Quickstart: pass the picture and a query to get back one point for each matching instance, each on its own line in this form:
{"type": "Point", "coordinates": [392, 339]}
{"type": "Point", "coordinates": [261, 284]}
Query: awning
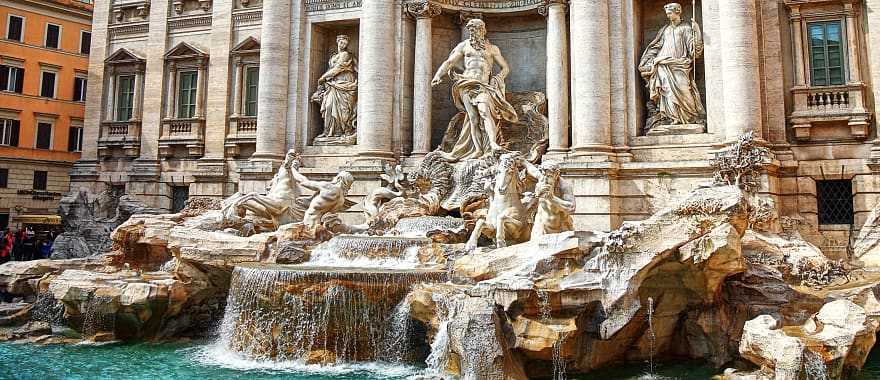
{"type": "Point", "coordinates": [36, 219]}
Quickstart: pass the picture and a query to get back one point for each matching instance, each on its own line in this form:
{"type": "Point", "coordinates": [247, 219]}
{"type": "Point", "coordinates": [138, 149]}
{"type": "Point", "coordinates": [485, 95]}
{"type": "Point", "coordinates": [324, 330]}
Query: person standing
{"type": "Point", "coordinates": [6, 246]}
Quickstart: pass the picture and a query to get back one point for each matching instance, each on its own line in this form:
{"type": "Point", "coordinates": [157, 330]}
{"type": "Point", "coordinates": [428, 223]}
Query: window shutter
{"type": "Point", "coordinates": [13, 141]}
{"type": "Point", "coordinates": [19, 81]}
{"type": "Point", "coordinates": [71, 139]}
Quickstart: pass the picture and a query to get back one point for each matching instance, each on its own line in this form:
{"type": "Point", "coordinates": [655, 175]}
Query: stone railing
{"type": "Point", "coordinates": [188, 132]}
{"type": "Point", "coordinates": [829, 105]}
{"type": "Point", "coordinates": [125, 135]}
{"type": "Point", "coordinates": [242, 131]}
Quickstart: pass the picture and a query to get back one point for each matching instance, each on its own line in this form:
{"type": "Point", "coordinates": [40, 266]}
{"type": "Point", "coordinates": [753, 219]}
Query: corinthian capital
{"type": "Point", "coordinates": [422, 9]}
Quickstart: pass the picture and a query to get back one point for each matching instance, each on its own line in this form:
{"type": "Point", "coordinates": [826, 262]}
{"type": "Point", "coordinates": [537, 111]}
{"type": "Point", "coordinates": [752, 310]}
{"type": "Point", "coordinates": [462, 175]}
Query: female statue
{"type": "Point", "coordinates": [337, 94]}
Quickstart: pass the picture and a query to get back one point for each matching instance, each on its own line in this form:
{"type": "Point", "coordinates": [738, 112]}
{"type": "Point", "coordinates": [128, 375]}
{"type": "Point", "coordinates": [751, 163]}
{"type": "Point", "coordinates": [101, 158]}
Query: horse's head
{"type": "Point", "coordinates": [507, 172]}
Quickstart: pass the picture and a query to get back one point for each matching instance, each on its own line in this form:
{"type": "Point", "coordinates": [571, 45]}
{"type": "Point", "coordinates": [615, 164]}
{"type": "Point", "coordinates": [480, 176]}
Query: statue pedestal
{"type": "Point", "coordinates": [336, 140]}
{"type": "Point", "coordinates": [677, 129]}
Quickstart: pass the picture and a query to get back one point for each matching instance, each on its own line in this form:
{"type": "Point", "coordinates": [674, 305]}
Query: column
{"type": "Point", "coordinates": [800, 78]}
{"type": "Point", "coordinates": [216, 95]}
{"type": "Point", "coordinates": [591, 58]}
{"type": "Point", "coordinates": [557, 75]}
{"type": "Point", "coordinates": [423, 72]}
{"type": "Point", "coordinates": [111, 98]}
{"type": "Point", "coordinates": [156, 47]}
{"type": "Point", "coordinates": [138, 94]}
{"type": "Point", "coordinates": [200, 90]}
{"type": "Point", "coordinates": [740, 70]}
{"type": "Point", "coordinates": [171, 92]}
{"type": "Point", "coordinates": [852, 40]}
{"type": "Point", "coordinates": [273, 91]}
{"type": "Point", "coordinates": [376, 78]}
{"type": "Point", "coordinates": [96, 91]}
{"type": "Point", "coordinates": [239, 76]}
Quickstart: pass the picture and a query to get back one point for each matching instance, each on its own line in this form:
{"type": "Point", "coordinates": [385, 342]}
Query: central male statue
{"type": "Point", "coordinates": [478, 94]}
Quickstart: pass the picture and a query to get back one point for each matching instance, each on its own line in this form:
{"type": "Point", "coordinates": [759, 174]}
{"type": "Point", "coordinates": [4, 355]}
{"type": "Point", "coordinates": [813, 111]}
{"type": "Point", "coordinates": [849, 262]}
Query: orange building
{"type": "Point", "coordinates": [44, 47]}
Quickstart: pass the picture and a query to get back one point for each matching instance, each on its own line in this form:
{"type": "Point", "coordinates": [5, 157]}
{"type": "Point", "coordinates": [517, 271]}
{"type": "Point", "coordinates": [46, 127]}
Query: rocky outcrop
{"type": "Point", "coordinates": [866, 248]}
{"type": "Point", "coordinates": [89, 219]}
{"type": "Point", "coordinates": [831, 344]}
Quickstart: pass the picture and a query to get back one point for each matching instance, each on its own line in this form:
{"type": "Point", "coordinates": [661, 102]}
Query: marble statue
{"type": "Point", "coordinates": [337, 95]}
{"type": "Point", "coordinates": [554, 197]}
{"type": "Point", "coordinates": [329, 196]}
{"type": "Point", "coordinates": [674, 104]}
{"type": "Point", "coordinates": [507, 217]}
{"type": "Point", "coordinates": [279, 205]}
{"type": "Point", "coordinates": [396, 186]}
{"type": "Point", "coordinates": [478, 94]}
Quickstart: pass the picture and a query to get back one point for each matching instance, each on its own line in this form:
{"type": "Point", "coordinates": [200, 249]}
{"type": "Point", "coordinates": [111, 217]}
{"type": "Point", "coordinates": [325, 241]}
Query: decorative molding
{"type": "Point", "coordinates": [543, 9]}
{"type": "Point", "coordinates": [249, 17]}
{"type": "Point", "coordinates": [189, 22]}
{"type": "Point", "coordinates": [327, 5]}
{"type": "Point", "coordinates": [491, 6]}
{"type": "Point", "coordinates": [422, 9]}
{"type": "Point", "coordinates": [118, 30]}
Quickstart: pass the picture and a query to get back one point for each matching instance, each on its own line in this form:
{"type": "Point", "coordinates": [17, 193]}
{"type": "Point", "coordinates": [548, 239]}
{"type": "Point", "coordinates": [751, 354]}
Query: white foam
{"type": "Point", "coordinates": [216, 355]}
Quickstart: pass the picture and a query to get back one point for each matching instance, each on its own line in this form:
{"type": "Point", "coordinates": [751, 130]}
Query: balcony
{"type": "Point", "coordinates": [830, 105]}
{"type": "Point", "coordinates": [120, 134]}
{"type": "Point", "coordinates": [242, 131]}
{"type": "Point", "coordinates": [188, 133]}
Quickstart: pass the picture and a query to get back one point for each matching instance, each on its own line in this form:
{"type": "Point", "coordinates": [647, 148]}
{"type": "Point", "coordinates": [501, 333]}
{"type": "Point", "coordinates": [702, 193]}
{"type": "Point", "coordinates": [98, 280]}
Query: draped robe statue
{"type": "Point", "coordinates": [478, 94]}
{"type": "Point", "coordinates": [337, 94]}
{"type": "Point", "coordinates": [667, 65]}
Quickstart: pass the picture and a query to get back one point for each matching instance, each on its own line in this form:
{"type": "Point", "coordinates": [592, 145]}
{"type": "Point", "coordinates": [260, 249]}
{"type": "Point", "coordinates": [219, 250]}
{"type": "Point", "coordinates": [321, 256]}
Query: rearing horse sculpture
{"type": "Point", "coordinates": [507, 218]}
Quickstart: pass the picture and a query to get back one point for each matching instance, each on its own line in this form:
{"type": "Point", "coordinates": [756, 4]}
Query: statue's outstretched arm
{"type": "Point", "coordinates": [304, 181]}
{"type": "Point", "coordinates": [444, 68]}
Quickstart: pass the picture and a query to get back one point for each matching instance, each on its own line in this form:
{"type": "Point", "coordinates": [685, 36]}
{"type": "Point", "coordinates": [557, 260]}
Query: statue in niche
{"type": "Point", "coordinates": [674, 104]}
{"type": "Point", "coordinates": [337, 95]}
{"type": "Point", "coordinates": [478, 94]}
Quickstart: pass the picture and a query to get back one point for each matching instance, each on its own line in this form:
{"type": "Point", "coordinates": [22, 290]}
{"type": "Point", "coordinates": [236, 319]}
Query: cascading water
{"type": "Point", "coordinates": [95, 316]}
{"type": "Point", "coordinates": [351, 251]}
{"type": "Point", "coordinates": [652, 339]}
{"type": "Point", "coordinates": [320, 315]}
{"type": "Point", "coordinates": [545, 314]}
{"type": "Point", "coordinates": [421, 225]}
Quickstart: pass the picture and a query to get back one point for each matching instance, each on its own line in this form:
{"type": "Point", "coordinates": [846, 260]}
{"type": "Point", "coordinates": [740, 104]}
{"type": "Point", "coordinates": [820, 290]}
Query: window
{"type": "Point", "coordinates": [835, 201]}
{"type": "Point", "coordinates": [44, 136]}
{"type": "Point", "coordinates": [124, 97]}
{"type": "Point", "coordinates": [4, 178]}
{"type": "Point", "coordinates": [826, 53]}
{"type": "Point", "coordinates": [40, 179]}
{"type": "Point", "coordinates": [11, 78]}
{"type": "Point", "coordinates": [4, 221]}
{"type": "Point", "coordinates": [186, 103]}
{"type": "Point", "coordinates": [47, 86]}
{"type": "Point", "coordinates": [14, 27]}
{"type": "Point", "coordinates": [250, 95]}
{"type": "Point", "coordinates": [53, 35]}
{"type": "Point", "coordinates": [79, 89]}
{"type": "Point", "coordinates": [179, 195]}
{"type": "Point", "coordinates": [85, 42]}
{"type": "Point", "coordinates": [9, 132]}
{"type": "Point", "coordinates": [75, 139]}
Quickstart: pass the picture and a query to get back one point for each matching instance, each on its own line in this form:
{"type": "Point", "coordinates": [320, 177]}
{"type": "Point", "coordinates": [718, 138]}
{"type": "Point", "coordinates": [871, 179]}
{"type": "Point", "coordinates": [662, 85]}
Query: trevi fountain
{"type": "Point", "coordinates": [468, 262]}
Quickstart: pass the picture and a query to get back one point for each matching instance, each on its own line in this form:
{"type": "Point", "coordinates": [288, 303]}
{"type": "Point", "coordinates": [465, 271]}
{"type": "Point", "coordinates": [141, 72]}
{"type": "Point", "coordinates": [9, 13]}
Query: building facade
{"type": "Point", "coordinates": [204, 97]}
{"type": "Point", "coordinates": [44, 62]}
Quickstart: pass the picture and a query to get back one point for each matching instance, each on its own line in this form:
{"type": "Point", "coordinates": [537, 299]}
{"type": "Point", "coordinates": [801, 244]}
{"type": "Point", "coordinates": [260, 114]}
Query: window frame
{"type": "Point", "coordinates": [117, 93]}
{"type": "Point", "coordinates": [5, 123]}
{"type": "Point", "coordinates": [8, 24]}
{"type": "Point", "coordinates": [51, 125]}
{"type": "Point", "coordinates": [10, 68]}
{"type": "Point", "coordinates": [43, 73]}
{"type": "Point", "coordinates": [89, 45]}
{"type": "Point", "coordinates": [46, 36]}
{"type": "Point", "coordinates": [45, 180]}
{"type": "Point", "coordinates": [80, 134]}
{"type": "Point", "coordinates": [82, 88]}
{"type": "Point", "coordinates": [192, 92]}
{"type": "Point", "coordinates": [4, 178]}
{"type": "Point", "coordinates": [247, 86]}
{"type": "Point", "coordinates": [808, 49]}
{"type": "Point", "coordinates": [823, 205]}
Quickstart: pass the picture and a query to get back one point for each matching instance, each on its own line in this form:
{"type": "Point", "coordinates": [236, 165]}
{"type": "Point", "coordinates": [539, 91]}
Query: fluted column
{"type": "Point", "coordinates": [272, 104]}
{"type": "Point", "coordinates": [591, 58]}
{"type": "Point", "coordinates": [557, 75]}
{"type": "Point", "coordinates": [740, 60]}
{"type": "Point", "coordinates": [376, 78]}
{"type": "Point", "coordinates": [423, 12]}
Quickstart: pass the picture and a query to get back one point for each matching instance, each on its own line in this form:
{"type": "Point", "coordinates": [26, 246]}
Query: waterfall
{"type": "Point", "coordinates": [351, 251]}
{"type": "Point", "coordinates": [652, 339]}
{"type": "Point", "coordinates": [419, 226]}
{"type": "Point", "coordinates": [313, 315]}
{"type": "Point", "coordinates": [558, 362]}
{"type": "Point", "coordinates": [95, 317]}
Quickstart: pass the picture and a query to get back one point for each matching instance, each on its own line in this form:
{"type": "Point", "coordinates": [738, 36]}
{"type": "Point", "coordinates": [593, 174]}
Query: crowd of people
{"type": "Point", "coordinates": [25, 244]}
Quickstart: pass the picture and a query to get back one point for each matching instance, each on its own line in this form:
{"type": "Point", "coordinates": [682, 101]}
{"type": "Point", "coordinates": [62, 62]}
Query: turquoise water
{"type": "Point", "coordinates": [205, 361]}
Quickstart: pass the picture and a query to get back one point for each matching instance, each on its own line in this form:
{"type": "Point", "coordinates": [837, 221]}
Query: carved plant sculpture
{"type": "Point", "coordinates": [741, 163]}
